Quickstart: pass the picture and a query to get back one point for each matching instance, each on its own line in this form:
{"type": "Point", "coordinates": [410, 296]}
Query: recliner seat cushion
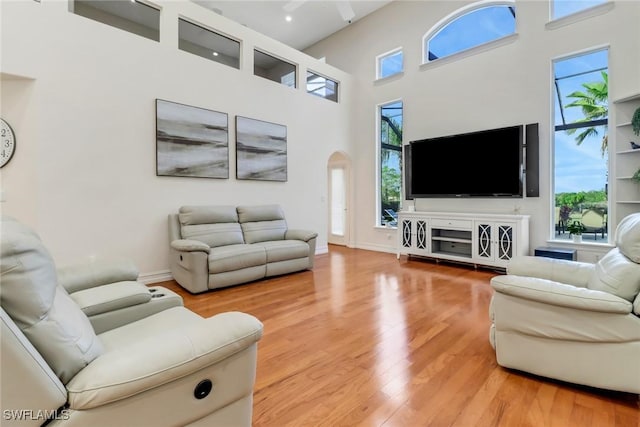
{"type": "Point", "coordinates": [262, 223]}
{"type": "Point", "coordinates": [236, 257]}
{"type": "Point", "coordinates": [40, 307]}
{"type": "Point", "coordinates": [617, 275]}
{"type": "Point", "coordinates": [212, 225]}
{"type": "Point", "coordinates": [284, 250]}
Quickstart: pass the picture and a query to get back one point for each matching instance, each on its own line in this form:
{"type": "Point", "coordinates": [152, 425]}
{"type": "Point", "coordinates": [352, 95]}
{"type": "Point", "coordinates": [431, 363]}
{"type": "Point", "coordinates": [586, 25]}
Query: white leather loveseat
{"type": "Point", "coordinates": [573, 321]}
{"type": "Point", "coordinates": [217, 246]}
{"type": "Point", "coordinates": [170, 368]}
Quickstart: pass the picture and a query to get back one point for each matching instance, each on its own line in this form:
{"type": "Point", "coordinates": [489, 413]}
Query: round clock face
{"type": "Point", "coordinates": [7, 143]}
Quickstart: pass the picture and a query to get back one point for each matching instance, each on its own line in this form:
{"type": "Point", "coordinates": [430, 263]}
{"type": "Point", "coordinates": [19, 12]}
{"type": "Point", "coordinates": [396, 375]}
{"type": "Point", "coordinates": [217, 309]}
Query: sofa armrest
{"type": "Point", "coordinates": [558, 270]}
{"type": "Point", "coordinates": [185, 245]}
{"type": "Point", "coordinates": [91, 274]}
{"type": "Point", "coordinates": [304, 235]}
{"type": "Point", "coordinates": [161, 359]}
{"type": "Point", "coordinates": [560, 294]}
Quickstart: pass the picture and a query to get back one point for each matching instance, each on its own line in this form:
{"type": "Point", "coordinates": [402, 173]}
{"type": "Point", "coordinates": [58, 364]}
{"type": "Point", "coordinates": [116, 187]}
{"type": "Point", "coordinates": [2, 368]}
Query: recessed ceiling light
{"type": "Point", "coordinates": [215, 53]}
{"type": "Point", "coordinates": [288, 18]}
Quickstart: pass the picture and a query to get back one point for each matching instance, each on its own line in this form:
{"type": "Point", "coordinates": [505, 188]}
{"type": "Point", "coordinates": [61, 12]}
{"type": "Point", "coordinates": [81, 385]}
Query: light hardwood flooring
{"type": "Point", "coordinates": [368, 340]}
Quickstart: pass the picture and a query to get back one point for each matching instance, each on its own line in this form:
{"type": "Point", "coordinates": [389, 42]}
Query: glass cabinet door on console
{"type": "Point", "coordinates": [414, 234]}
{"type": "Point", "coordinates": [494, 241]}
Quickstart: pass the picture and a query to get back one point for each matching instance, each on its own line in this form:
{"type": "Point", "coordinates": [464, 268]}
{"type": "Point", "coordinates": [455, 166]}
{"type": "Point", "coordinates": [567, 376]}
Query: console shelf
{"type": "Point", "coordinates": [479, 239]}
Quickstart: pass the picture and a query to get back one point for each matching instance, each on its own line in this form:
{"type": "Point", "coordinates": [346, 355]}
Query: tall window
{"type": "Point", "coordinates": [390, 184]}
{"type": "Point", "coordinates": [561, 8]}
{"type": "Point", "coordinates": [468, 27]}
{"type": "Point", "coordinates": [581, 93]}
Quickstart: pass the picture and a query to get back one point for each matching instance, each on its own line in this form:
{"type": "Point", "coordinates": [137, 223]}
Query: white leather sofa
{"type": "Point", "coordinates": [169, 368]}
{"type": "Point", "coordinates": [573, 321]}
{"type": "Point", "coordinates": [217, 246]}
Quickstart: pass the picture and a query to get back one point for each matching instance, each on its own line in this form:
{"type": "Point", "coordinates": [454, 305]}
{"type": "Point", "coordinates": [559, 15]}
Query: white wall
{"type": "Point", "coordinates": [83, 108]}
{"type": "Point", "coordinates": [505, 86]}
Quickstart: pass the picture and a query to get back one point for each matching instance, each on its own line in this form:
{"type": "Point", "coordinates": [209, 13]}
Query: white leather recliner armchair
{"type": "Point", "coordinates": [171, 368]}
{"type": "Point", "coordinates": [573, 321]}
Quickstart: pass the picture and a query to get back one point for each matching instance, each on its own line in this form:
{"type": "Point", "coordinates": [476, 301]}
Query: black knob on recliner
{"type": "Point", "coordinates": [203, 389]}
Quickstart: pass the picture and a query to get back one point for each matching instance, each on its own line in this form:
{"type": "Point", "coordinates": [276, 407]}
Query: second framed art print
{"type": "Point", "coordinates": [191, 141]}
{"type": "Point", "coordinates": [261, 150]}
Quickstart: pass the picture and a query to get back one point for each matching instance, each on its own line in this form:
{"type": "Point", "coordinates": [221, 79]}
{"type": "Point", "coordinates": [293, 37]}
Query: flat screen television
{"type": "Point", "coordinates": [487, 163]}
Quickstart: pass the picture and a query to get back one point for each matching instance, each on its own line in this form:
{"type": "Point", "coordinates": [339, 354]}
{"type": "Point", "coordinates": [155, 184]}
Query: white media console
{"type": "Point", "coordinates": [478, 239]}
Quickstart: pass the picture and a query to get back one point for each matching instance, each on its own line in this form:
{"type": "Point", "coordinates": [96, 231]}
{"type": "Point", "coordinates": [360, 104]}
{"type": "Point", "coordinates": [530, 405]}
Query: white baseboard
{"type": "Point", "coordinates": [155, 277]}
{"type": "Point", "coordinates": [377, 248]}
{"type": "Point", "coordinates": [322, 249]}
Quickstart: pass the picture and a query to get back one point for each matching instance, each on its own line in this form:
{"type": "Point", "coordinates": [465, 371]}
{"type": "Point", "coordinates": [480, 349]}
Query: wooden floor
{"type": "Point", "coordinates": [367, 340]}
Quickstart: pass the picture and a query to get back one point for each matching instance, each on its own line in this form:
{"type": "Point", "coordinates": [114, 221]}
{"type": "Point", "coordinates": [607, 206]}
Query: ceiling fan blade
{"type": "Point", "coordinates": [346, 11]}
{"type": "Point", "coordinates": [293, 5]}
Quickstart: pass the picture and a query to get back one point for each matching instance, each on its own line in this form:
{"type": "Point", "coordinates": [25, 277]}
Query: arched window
{"type": "Point", "coordinates": [468, 27]}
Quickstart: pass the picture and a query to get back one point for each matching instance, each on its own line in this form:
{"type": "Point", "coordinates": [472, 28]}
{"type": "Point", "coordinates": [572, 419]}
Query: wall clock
{"type": "Point", "coordinates": [7, 141]}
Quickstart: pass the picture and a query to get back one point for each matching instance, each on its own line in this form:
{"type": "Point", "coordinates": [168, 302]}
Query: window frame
{"type": "Point", "coordinates": [379, 147]}
{"type": "Point", "coordinates": [278, 58]}
{"type": "Point", "coordinates": [215, 32]}
{"type": "Point", "coordinates": [442, 23]}
{"type": "Point", "coordinates": [313, 92]}
{"type": "Point", "coordinates": [115, 19]}
{"type": "Point", "coordinates": [585, 10]}
{"type": "Point", "coordinates": [385, 55]}
{"type": "Point", "coordinates": [559, 128]}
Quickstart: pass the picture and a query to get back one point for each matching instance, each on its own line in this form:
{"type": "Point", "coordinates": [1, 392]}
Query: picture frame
{"type": "Point", "coordinates": [191, 141]}
{"type": "Point", "coordinates": [261, 150]}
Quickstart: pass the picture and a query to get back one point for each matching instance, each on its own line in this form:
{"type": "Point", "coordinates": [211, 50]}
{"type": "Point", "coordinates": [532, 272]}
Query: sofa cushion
{"type": "Point", "coordinates": [193, 215]}
{"type": "Point", "coordinates": [214, 235]}
{"type": "Point", "coordinates": [284, 250]}
{"type": "Point", "coordinates": [213, 225]}
{"type": "Point", "coordinates": [617, 275]}
{"type": "Point", "coordinates": [236, 257]}
{"type": "Point", "coordinates": [40, 307]}
{"type": "Point", "coordinates": [262, 223]}
{"type": "Point", "coordinates": [628, 237]}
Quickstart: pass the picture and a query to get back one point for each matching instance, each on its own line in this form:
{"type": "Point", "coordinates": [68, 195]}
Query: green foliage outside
{"type": "Point", "coordinates": [390, 174]}
{"type": "Point", "coordinates": [577, 202]}
{"type": "Point", "coordinates": [390, 185]}
{"type": "Point", "coordinates": [593, 102]}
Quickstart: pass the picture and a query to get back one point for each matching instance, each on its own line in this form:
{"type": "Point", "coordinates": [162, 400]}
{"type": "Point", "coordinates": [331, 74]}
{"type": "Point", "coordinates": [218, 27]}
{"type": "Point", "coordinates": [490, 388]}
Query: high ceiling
{"type": "Point", "coordinates": [311, 20]}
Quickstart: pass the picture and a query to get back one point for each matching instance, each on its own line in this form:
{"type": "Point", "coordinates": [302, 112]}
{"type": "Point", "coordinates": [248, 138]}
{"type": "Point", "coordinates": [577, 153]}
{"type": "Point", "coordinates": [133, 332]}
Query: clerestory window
{"type": "Point", "coordinates": [468, 27]}
{"type": "Point", "coordinates": [389, 63]}
{"type": "Point", "coordinates": [562, 8]}
{"type": "Point", "coordinates": [135, 16]}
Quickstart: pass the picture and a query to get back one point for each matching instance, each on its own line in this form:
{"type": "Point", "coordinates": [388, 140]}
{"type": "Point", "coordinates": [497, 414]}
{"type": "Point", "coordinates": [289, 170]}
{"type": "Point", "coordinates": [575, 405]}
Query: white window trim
{"type": "Point", "coordinates": [296, 66]}
{"type": "Point", "coordinates": [552, 150]}
{"type": "Point", "coordinates": [336, 81]}
{"type": "Point", "coordinates": [379, 161]}
{"type": "Point", "coordinates": [581, 15]}
{"type": "Point", "coordinates": [379, 59]}
{"type": "Point", "coordinates": [458, 13]}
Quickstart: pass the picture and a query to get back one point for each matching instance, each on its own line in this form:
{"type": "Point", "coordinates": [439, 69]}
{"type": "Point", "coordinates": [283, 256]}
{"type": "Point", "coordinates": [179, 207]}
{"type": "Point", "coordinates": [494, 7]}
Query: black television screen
{"type": "Point", "coordinates": [478, 164]}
